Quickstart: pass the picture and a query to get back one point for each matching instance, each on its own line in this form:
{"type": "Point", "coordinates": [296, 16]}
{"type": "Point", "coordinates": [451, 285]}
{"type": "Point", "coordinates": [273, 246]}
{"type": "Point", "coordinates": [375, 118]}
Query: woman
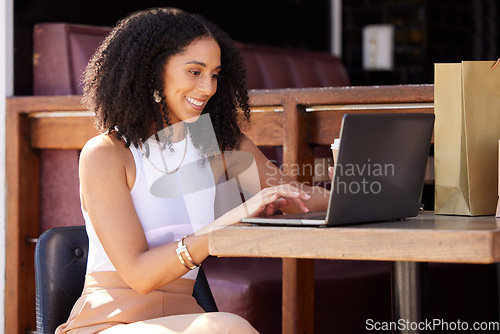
{"type": "Point", "coordinates": [150, 82]}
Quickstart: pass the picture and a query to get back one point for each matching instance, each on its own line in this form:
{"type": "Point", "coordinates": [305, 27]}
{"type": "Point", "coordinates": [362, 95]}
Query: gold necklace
{"type": "Point", "coordinates": [163, 159]}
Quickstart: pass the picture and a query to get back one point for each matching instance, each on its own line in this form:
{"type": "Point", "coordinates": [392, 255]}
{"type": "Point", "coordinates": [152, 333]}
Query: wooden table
{"type": "Point", "coordinates": [410, 244]}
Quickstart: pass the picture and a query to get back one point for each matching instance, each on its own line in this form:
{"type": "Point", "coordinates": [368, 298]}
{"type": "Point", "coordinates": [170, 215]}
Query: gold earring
{"type": "Point", "coordinates": [156, 96]}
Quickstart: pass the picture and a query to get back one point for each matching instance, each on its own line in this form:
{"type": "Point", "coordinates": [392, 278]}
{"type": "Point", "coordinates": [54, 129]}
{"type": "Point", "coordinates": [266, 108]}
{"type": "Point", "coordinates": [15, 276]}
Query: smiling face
{"type": "Point", "coordinates": [190, 79]}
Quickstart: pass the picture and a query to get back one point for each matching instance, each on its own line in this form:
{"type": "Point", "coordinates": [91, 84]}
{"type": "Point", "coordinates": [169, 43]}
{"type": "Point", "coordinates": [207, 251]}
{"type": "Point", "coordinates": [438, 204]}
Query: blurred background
{"type": "Point", "coordinates": [379, 41]}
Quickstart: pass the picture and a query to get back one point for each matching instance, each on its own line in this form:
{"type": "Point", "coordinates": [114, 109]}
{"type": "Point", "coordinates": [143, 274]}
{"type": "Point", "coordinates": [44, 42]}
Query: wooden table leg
{"type": "Point", "coordinates": [298, 296]}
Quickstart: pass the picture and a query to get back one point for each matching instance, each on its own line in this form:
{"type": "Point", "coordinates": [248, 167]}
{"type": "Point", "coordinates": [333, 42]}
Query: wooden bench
{"type": "Point", "coordinates": [297, 119]}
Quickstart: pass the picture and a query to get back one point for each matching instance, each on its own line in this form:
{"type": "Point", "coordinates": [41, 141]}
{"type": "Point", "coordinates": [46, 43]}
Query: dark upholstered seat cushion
{"type": "Point", "coordinates": [251, 288]}
{"type": "Point", "coordinates": [68, 47]}
{"type": "Point", "coordinates": [274, 68]}
{"type": "Point", "coordinates": [60, 265]}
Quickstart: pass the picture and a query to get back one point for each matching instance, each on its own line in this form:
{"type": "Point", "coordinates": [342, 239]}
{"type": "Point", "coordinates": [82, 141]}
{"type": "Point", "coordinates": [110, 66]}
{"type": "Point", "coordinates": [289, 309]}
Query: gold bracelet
{"type": "Point", "coordinates": [181, 248]}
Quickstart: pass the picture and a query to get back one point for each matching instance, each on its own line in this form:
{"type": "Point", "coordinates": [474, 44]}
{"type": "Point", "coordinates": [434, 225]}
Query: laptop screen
{"type": "Point", "coordinates": [380, 167]}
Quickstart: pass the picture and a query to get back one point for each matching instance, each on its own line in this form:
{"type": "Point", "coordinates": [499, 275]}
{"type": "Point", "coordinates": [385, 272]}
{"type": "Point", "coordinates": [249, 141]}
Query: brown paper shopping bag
{"type": "Point", "coordinates": [498, 205]}
{"type": "Point", "coordinates": [466, 133]}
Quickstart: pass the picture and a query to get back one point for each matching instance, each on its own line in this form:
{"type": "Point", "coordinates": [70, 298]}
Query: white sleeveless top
{"type": "Point", "coordinates": [169, 206]}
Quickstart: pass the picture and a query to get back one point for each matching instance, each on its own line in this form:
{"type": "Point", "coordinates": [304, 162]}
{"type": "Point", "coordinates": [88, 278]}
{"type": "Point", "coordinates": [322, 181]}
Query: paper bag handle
{"type": "Point", "coordinates": [495, 64]}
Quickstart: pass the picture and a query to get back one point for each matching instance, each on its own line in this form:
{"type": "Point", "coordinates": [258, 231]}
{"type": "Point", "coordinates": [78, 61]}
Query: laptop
{"type": "Point", "coordinates": [379, 175]}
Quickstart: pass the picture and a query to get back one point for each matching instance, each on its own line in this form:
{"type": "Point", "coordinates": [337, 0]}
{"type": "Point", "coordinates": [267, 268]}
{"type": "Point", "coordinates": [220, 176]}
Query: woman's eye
{"type": "Point", "coordinates": [195, 73]}
{"type": "Point", "coordinates": [215, 76]}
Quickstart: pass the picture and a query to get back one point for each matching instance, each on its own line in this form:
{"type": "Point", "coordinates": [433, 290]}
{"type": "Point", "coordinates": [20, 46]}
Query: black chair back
{"type": "Point", "coordinates": [60, 264]}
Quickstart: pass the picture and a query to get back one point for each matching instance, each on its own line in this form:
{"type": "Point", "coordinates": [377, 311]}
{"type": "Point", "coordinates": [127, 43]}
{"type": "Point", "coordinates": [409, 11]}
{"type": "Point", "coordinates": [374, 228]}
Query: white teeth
{"type": "Point", "coordinates": [195, 102]}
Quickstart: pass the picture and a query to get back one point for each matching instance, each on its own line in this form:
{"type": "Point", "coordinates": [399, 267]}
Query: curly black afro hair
{"type": "Point", "coordinates": [128, 67]}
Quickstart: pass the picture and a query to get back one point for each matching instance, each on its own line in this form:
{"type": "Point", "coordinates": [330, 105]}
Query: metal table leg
{"type": "Point", "coordinates": [409, 294]}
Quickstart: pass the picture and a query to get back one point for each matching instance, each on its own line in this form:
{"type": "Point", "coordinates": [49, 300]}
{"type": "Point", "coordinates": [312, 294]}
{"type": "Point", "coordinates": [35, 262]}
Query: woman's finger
{"type": "Point", "coordinates": [330, 172]}
{"type": "Point", "coordinates": [300, 204]}
{"type": "Point", "coordinates": [274, 206]}
{"type": "Point", "coordinates": [289, 192]}
{"type": "Point", "coordinates": [267, 201]}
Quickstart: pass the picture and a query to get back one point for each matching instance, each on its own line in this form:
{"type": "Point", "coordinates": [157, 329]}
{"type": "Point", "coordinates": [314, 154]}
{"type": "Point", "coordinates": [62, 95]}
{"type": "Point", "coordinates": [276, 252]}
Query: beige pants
{"type": "Point", "coordinates": [108, 305]}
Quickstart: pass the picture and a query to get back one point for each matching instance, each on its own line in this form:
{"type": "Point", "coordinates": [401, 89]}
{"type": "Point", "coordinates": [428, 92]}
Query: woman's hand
{"type": "Point", "coordinates": [264, 203]}
{"type": "Point", "coordinates": [269, 200]}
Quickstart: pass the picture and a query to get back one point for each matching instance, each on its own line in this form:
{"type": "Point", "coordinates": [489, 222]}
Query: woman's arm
{"type": "Point", "coordinates": [107, 173]}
